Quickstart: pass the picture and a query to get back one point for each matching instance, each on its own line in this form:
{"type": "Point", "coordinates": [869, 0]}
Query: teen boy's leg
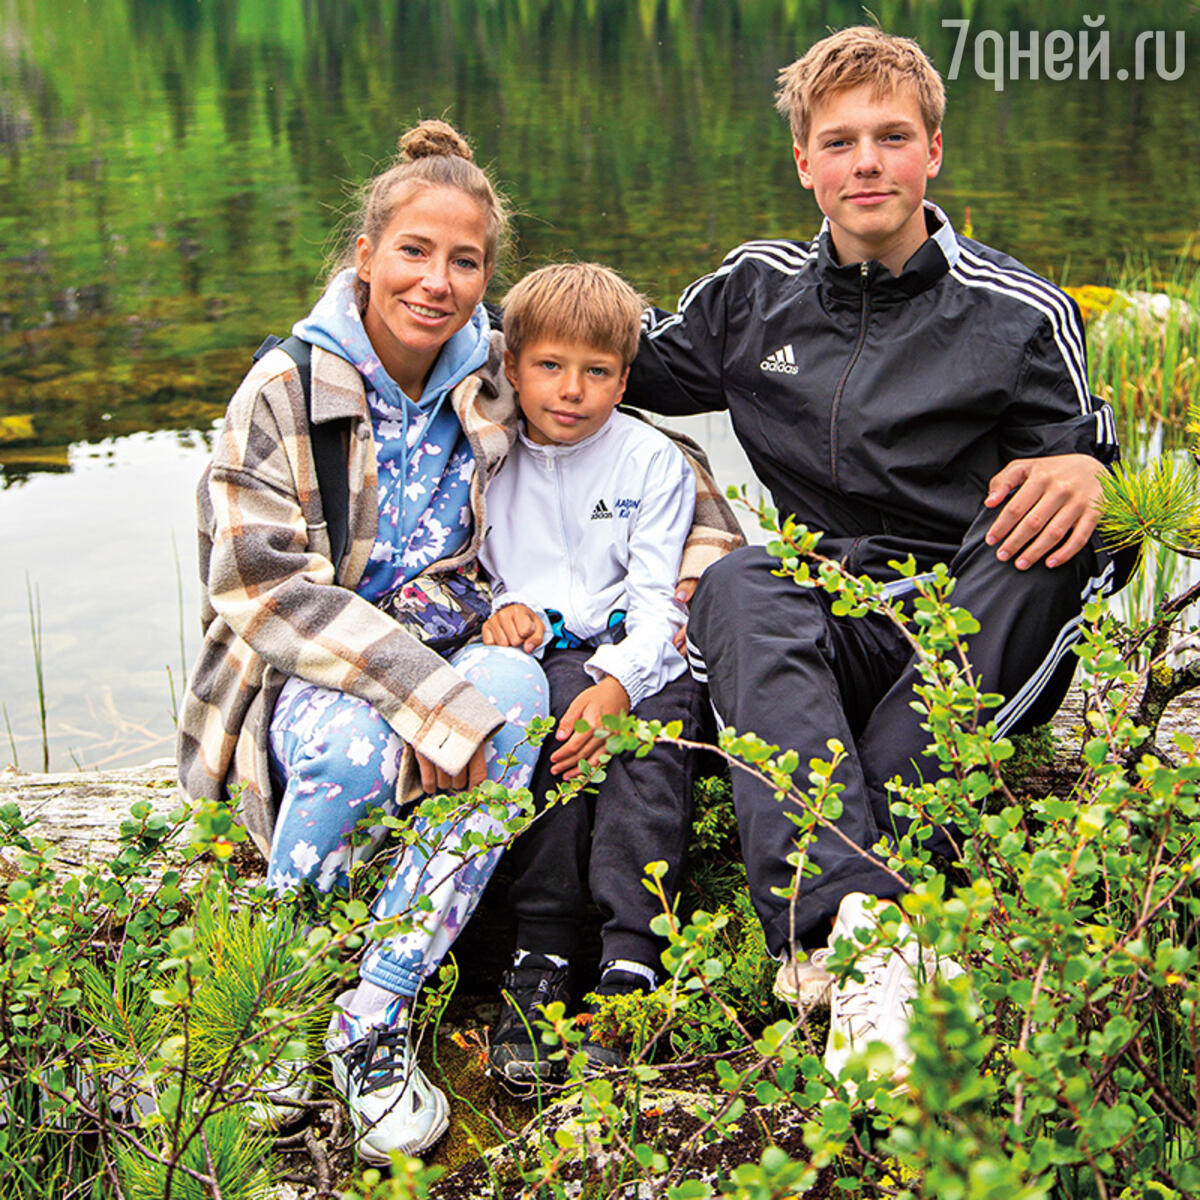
{"type": "Point", "coordinates": [1029, 622]}
{"type": "Point", "coordinates": [778, 663]}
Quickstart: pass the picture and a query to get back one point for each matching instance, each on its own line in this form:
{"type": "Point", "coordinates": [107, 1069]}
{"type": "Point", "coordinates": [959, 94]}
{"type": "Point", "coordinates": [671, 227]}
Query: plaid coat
{"type": "Point", "coordinates": [270, 606]}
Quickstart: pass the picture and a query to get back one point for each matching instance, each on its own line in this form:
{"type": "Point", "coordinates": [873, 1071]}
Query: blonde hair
{"type": "Point", "coordinates": [431, 154]}
{"type": "Point", "coordinates": [575, 302]}
{"type": "Point", "coordinates": [849, 58]}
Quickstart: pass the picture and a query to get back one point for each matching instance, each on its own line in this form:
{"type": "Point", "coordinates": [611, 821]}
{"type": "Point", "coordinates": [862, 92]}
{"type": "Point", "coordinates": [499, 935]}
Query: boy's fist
{"type": "Point", "coordinates": [593, 704]}
{"type": "Point", "coordinates": [514, 625]}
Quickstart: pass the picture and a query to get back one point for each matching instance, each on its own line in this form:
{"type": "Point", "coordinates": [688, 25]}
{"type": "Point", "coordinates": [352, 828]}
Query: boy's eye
{"type": "Point", "coordinates": [599, 372]}
{"type": "Point", "coordinates": [548, 364]}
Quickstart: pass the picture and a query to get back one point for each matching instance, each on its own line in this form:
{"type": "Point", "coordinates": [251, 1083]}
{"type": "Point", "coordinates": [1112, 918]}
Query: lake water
{"type": "Point", "coordinates": [170, 171]}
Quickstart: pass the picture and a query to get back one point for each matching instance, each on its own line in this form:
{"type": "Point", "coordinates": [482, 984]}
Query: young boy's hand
{"type": "Point", "coordinates": [603, 699]}
{"type": "Point", "coordinates": [514, 625]}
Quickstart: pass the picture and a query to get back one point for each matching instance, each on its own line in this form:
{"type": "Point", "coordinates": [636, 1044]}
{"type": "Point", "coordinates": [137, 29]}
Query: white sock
{"type": "Point", "coordinates": [554, 959]}
{"type": "Point", "coordinates": [371, 1004]}
{"type": "Point", "coordinates": [634, 968]}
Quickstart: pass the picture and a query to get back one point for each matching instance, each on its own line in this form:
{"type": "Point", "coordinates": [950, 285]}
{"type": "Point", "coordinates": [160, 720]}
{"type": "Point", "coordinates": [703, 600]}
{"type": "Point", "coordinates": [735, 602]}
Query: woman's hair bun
{"type": "Point", "coordinates": [431, 139]}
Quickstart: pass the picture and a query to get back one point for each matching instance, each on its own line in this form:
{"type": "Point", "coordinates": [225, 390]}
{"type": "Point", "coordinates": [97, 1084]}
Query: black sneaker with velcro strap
{"type": "Point", "coordinates": [517, 1057]}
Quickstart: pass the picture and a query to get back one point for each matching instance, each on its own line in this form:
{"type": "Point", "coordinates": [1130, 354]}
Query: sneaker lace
{"type": "Point", "coordinates": [861, 1003]}
{"type": "Point", "coordinates": [380, 1059]}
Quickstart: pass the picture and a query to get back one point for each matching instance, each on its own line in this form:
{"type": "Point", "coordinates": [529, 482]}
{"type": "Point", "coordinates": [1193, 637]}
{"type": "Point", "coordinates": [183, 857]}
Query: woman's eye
{"type": "Point", "coordinates": [466, 264]}
{"type": "Point", "coordinates": [411, 251]}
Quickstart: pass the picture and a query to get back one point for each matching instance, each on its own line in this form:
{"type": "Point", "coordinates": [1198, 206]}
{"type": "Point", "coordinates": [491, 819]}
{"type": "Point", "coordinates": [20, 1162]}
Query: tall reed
{"type": "Point", "coordinates": [34, 601]}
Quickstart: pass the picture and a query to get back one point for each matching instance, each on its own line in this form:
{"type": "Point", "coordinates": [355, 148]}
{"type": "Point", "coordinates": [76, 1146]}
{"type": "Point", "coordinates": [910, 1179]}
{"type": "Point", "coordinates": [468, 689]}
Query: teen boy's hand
{"type": "Point", "coordinates": [683, 593]}
{"type": "Point", "coordinates": [514, 625]}
{"type": "Point", "coordinates": [603, 699]}
{"type": "Point", "coordinates": [1051, 508]}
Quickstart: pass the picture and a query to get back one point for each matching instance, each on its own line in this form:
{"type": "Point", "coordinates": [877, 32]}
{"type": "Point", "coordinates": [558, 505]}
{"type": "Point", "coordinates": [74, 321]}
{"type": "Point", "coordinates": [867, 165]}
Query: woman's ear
{"type": "Point", "coordinates": [362, 258]}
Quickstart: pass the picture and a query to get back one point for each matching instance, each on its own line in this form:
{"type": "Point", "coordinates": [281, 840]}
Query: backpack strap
{"type": "Point", "coordinates": [328, 444]}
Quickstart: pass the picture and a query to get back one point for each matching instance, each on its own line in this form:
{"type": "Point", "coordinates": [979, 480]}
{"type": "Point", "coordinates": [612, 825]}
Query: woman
{"type": "Point", "coordinates": [305, 692]}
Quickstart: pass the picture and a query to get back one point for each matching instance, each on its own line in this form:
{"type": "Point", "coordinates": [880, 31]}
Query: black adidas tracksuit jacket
{"type": "Point", "coordinates": [875, 408]}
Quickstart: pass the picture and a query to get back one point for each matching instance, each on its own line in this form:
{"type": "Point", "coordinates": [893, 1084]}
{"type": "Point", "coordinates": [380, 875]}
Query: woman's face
{"type": "Point", "coordinates": [425, 276]}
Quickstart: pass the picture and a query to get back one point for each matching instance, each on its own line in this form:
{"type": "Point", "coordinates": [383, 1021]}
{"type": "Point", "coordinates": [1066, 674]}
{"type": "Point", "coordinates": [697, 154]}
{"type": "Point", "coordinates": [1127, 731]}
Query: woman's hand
{"type": "Point", "coordinates": [514, 625]}
{"type": "Point", "coordinates": [593, 704]}
{"type": "Point", "coordinates": [434, 779]}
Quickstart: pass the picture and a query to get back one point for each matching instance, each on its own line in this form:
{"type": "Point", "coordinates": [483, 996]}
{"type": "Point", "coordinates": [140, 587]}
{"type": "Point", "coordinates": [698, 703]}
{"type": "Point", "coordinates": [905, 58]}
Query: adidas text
{"type": "Point", "coordinates": [782, 360]}
{"type": "Point", "coordinates": [601, 512]}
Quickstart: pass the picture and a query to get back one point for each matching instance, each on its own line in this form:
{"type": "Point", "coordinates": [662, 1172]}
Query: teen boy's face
{"type": "Point", "coordinates": [867, 160]}
{"type": "Point", "coordinates": [566, 390]}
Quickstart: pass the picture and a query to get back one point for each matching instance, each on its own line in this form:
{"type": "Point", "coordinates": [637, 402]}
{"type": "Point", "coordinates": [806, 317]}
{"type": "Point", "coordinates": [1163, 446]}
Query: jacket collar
{"type": "Point", "coordinates": [930, 263]}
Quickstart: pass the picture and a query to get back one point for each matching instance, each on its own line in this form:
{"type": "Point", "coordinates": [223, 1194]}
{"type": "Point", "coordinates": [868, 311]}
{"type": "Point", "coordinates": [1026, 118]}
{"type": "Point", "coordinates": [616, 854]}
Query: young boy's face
{"type": "Point", "coordinates": [566, 390]}
{"type": "Point", "coordinates": [867, 161]}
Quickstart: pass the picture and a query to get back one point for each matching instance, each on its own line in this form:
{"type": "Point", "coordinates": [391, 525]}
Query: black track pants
{"type": "Point", "coordinates": [780, 664]}
{"type": "Point", "coordinates": [601, 842]}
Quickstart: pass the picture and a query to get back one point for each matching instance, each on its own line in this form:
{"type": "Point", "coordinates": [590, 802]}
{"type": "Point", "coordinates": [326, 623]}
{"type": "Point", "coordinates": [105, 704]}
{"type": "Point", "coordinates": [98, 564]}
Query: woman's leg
{"type": "Point", "coordinates": [337, 759]}
{"type": "Point", "coordinates": [437, 866]}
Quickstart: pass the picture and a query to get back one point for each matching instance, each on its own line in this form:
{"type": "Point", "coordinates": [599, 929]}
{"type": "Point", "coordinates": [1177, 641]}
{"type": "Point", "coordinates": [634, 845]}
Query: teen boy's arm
{"type": "Point", "coordinates": [1059, 442]}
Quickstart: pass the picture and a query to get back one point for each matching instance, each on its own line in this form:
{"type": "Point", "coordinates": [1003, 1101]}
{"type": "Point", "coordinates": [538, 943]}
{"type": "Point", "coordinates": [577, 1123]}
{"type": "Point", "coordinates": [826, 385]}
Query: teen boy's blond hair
{"type": "Point", "coordinates": [850, 58]}
{"type": "Point", "coordinates": [574, 302]}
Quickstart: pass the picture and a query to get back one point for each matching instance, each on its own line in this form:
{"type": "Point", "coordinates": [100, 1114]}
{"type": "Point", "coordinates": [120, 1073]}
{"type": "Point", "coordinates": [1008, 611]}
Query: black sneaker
{"type": "Point", "coordinates": [613, 982]}
{"type": "Point", "coordinates": [517, 1056]}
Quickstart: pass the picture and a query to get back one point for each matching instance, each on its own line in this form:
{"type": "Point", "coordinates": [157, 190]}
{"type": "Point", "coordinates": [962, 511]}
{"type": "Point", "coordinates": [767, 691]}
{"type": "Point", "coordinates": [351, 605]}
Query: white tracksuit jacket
{"type": "Point", "coordinates": [591, 531]}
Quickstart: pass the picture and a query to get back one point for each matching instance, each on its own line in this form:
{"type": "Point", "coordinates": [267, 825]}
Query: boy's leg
{"type": "Point", "coordinates": [549, 897]}
{"type": "Point", "coordinates": [1029, 620]}
{"type": "Point", "coordinates": [779, 664]}
{"type": "Point", "coordinates": [643, 813]}
{"type": "Point", "coordinates": [550, 859]}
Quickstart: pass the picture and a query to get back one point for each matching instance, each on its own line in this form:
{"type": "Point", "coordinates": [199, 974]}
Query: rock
{"type": "Point", "coordinates": [81, 811]}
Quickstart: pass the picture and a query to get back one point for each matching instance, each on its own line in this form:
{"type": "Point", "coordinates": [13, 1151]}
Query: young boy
{"type": "Point", "coordinates": [588, 517]}
{"type": "Point", "coordinates": [892, 383]}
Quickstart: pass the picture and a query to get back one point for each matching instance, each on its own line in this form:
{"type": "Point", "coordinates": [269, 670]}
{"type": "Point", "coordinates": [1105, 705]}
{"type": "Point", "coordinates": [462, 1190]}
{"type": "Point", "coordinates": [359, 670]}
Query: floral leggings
{"type": "Point", "coordinates": [338, 759]}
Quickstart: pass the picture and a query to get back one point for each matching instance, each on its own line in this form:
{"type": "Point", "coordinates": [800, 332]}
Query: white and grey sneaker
{"type": "Point", "coordinates": [878, 1008]}
{"type": "Point", "coordinates": [277, 1090]}
{"type": "Point", "coordinates": [804, 982]}
{"type": "Point", "coordinates": [392, 1104]}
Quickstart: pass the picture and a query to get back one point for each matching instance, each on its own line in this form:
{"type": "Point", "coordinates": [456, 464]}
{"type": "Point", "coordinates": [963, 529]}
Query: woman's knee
{"type": "Point", "coordinates": [511, 679]}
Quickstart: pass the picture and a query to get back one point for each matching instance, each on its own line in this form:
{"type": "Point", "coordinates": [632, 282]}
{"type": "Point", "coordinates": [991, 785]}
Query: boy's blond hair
{"type": "Point", "coordinates": [574, 302]}
{"type": "Point", "coordinates": [850, 58]}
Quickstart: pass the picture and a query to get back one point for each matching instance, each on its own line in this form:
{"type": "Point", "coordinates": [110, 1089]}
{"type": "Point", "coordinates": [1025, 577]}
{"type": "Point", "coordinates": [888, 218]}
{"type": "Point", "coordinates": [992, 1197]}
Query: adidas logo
{"type": "Point", "coordinates": [601, 512]}
{"type": "Point", "coordinates": [782, 360]}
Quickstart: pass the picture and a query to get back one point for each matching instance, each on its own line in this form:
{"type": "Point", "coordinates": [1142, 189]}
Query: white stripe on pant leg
{"type": "Point", "coordinates": [1010, 713]}
{"type": "Point", "coordinates": [695, 661]}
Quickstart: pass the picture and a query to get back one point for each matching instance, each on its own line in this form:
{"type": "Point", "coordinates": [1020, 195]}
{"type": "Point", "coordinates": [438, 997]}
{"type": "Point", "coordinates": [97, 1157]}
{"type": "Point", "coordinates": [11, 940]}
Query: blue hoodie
{"type": "Point", "coordinates": [425, 462]}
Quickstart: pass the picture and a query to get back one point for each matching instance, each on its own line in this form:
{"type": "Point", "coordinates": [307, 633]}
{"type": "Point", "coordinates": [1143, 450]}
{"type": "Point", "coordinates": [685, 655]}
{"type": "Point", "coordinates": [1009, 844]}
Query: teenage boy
{"type": "Point", "coordinates": [588, 517]}
{"type": "Point", "coordinates": [892, 382]}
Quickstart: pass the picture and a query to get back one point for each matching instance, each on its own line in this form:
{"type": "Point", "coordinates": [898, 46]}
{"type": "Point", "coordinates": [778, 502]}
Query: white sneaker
{"type": "Point", "coordinates": [877, 1009]}
{"type": "Point", "coordinates": [274, 1087]}
{"type": "Point", "coordinates": [804, 983]}
{"type": "Point", "coordinates": [392, 1104]}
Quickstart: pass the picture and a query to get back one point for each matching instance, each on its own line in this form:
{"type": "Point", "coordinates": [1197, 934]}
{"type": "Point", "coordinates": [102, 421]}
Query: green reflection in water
{"type": "Point", "coordinates": [170, 171]}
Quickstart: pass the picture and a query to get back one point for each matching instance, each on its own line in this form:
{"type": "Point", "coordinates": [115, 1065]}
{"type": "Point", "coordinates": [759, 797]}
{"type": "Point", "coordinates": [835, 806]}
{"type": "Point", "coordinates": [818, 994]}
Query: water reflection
{"type": "Point", "coordinates": [170, 171]}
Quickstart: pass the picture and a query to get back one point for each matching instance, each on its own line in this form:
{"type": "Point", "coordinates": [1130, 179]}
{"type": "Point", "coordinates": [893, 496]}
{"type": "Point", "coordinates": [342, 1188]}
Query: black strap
{"type": "Point", "coordinates": [329, 440]}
